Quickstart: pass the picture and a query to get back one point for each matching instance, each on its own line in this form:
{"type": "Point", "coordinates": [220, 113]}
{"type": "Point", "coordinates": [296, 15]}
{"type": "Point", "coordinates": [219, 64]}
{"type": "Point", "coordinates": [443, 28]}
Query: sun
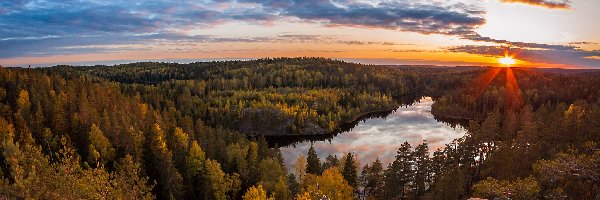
{"type": "Point", "coordinates": [506, 60]}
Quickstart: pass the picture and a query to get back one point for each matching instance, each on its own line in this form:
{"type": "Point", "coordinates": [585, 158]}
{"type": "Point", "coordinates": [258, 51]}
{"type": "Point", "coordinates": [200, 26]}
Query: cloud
{"type": "Point", "coordinates": [53, 27]}
{"type": "Point", "coordinates": [417, 17]}
{"type": "Point", "coordinates": [583, 43]}
{"type": "Point", "coordinates": [539, 53]}
{"type": "Point", "coordinates": [34, 28]}
{"type": "Point", "coordinates": [532, 52]}
{"type": "Point", "coordinates": [554, 4]}
{"type": "Point", "coordinates": [380, 138]}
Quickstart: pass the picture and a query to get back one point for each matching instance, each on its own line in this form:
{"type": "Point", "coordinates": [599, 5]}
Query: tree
{"type": "Point", "coordinates": [313, 164]}
{"type": "Point", "coordinates": [195, 168]}
{"type": "Point", "coordinates": [422, 170]}
{"type": "Point", "coordinates": [256, 193]}
{"type": "Point", "coordinates": [220, 185]}
{"type": "Point", "coordinates": [300, 168]}
{"type": "Point", "coordinates": [129, 182]}
{"type": "Point", "coordinates": [100, 148]}
{"type": "Point", "coordinates": [330, 162]}
{"type": "Point", "coordinates": [24, 103]}
{"type": "Point", "coordinates": [399, 174]}
{"type": "Point", "coordinates": [179, 143]}
{"type": "Point", "coordinates": [331, 184]}
{"type": "Point", "coordinates": [520, 189]}
{"type": "Point", "coordinates": [195, 160]}
{"type": "Point", "coordinates": [374, 179]}
{"type": "Point", "coordinates": [270, 173]}
{"type": "Point", "coordinates": [169, 179]}
{"type": "Point", "coordinates": [571, 175]}
{"type": "Point", "coordinates": [350, 171]}
{"type": "Point", "coordinates": [293, 184]}
{"type": "Point", "coordinates": [282, 190]}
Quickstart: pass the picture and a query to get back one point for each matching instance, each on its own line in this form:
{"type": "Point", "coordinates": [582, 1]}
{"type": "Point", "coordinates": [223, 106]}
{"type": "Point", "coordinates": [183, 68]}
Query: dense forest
{"type": "Point", "coordinates": [197, 131]}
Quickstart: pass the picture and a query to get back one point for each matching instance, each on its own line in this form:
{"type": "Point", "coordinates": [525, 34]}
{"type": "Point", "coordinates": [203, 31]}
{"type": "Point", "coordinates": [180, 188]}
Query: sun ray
{"type": "Point", "coordinates": [483, 82]}
{"type": "Point", "coordinates": [514, 96]}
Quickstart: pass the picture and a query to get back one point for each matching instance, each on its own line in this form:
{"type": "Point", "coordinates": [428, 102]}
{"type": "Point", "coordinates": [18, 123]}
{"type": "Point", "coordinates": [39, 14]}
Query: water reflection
{"type": "Point", "coordinates": [380, 137]}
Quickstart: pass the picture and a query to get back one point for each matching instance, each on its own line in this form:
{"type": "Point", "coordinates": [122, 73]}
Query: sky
{"type": "Point", "coordinates": [537, 33]}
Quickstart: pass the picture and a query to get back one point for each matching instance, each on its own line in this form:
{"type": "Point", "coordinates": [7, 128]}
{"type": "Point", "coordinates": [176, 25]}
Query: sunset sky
{"type": "Point", "coordinates": [539, 33]}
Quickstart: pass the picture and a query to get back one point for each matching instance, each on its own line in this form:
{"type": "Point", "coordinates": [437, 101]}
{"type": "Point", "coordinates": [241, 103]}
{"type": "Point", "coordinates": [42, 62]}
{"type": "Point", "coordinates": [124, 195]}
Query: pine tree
{"type": "Point", "coordinates": [350, 171]}
{"type": "Point", "coordinates": [422, 170]}
{"type": "Point", "coordinates": [330, 162]}
{"type": "Point", "coordinates": [399, 174]}
{"type": "Point", "coordinates": [374, 179]}
{"type": "Point", "coordinates": [313, 164]}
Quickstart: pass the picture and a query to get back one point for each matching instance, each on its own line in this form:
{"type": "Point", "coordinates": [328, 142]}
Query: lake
{"type": "Point", "coordinates": [380, 137]}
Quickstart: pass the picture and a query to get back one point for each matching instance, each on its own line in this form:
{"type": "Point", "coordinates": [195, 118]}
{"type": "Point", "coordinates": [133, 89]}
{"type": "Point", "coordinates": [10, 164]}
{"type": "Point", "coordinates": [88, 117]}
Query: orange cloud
{"type": "Point", "coordinates": [558, 4]}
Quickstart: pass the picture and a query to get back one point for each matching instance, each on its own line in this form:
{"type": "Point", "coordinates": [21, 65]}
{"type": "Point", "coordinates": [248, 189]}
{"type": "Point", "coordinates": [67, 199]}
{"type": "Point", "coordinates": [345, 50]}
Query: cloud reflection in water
{"type": "Point", "coordinates": [381, 137]}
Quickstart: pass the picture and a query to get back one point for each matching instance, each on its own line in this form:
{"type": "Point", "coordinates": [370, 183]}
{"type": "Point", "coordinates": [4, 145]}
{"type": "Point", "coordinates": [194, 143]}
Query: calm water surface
{"type": "Point", "coordinates": [381, 137]}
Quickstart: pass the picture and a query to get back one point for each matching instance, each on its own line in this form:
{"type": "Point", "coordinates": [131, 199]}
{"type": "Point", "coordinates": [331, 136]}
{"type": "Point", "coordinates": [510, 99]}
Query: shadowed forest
{"type": "Point", "coordinates": [198, 131]}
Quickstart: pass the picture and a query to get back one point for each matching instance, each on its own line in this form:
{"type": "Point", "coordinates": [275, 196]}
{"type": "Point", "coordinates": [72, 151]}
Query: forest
{"type": "Point", "coordinates": [156, 130]}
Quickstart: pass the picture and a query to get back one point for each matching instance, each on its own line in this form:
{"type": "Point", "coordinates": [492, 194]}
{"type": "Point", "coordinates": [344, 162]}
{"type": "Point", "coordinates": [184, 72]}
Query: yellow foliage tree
{"type": "Point", "coordinates": [330, 184]}
{"type": "Point", "coordinates": [256, 193]}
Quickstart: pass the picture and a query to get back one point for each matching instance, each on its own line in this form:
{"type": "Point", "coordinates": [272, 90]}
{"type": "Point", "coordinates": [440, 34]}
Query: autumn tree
{"type": "Point", "coordinates": [170, 181]}
{"type": "Point", "coordinates": [256, 193]}
{"type": "Point", "coordinates": [331, 184]}
{"type": "Point", "coordinates": [100, 148]}
{"type": "Point", "coordinates": [221, 186]}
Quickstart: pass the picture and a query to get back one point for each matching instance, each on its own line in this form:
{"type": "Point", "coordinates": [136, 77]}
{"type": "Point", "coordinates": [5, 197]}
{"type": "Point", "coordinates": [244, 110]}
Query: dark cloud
{"type": "Point", "coordinates": [557, 4]}
{"type": "Point", "coordinates": [399, 15]}
{"type": "Point", "coordinates": [31, 27]}
{"type": "Point", "coordinates": [532, 52]}
{"type": "Point", "coordinates": [51, 27]}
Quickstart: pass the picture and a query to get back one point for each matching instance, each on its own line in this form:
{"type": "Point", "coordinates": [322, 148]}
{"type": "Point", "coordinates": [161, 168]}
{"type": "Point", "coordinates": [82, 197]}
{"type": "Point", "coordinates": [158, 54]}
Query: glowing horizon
{"type": "Point", "coordinates": [457, 32]}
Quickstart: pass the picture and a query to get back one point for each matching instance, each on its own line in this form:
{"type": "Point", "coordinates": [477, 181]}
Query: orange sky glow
{"type": "Point", "coordinates": [536, 36]}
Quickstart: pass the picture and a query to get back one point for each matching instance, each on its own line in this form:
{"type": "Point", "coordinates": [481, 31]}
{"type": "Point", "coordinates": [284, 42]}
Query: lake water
{"type": "Point", "coordinates": [381, 137]}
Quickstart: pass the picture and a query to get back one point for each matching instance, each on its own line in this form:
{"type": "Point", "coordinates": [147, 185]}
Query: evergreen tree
{"type": "Point", "coordinates": [330, 162]}
{"type": "Point", "coordinates": [350, 171]}
{"type": "Point", "coordinates": [293, 184]}
{"type": "Point", "coordinates": [399, 175]}
{"type": "Point", "coordinates": [313, 164]}
{"type": "Point", "coordinates": [374, 179]}
{"type": "Point", "coordinates": [422, 170]}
